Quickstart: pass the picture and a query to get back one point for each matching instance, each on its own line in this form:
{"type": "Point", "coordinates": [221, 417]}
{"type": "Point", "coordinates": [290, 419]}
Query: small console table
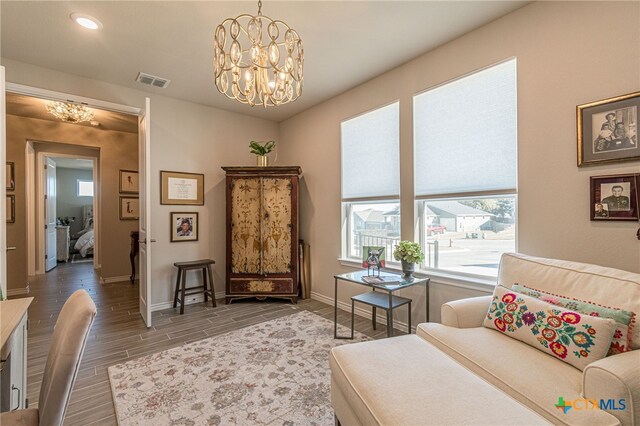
{"type": "Point", "coordinates": [135, 249]}
{"type": "Point", "coordinates": [374, 299]}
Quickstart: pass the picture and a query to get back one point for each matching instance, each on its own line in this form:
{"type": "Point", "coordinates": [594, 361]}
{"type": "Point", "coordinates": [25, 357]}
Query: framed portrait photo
{"type": "Point", "coordinates": [11, 208]}
{"type": "Point", "coordinates": [608, 130]}
{"type": "Point", "coordinates": [129, 182]}
{"type": "Point", "coordinates": [184, 226]}
{"type": "Point", "coordinates": [614, 197]}
{"type": "Point", "coordinates": [129, 208]}
{"type": "Point", "coordinates": [11, 176]}
{"type": "Point", "coordinates": [178, 188]}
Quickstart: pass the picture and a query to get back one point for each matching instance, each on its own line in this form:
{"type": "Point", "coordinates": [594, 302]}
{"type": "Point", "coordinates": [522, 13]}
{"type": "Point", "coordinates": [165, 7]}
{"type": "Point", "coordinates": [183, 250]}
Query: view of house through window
{"type": "Point", "coordinates": [468, 235]}
{"type": "Point", "coordinates": [465, 169]}
{"type": "Point", "coordinates": [373, 225]}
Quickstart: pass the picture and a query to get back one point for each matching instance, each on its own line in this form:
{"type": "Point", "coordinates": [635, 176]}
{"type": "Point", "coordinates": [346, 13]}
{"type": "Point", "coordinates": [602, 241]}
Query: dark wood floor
{"type": "Point", "coordinates": [119, 334]}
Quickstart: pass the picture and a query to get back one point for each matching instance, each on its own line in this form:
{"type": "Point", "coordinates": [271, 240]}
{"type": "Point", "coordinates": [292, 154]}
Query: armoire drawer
{"type": "Point", "coordinates": [261, 285]}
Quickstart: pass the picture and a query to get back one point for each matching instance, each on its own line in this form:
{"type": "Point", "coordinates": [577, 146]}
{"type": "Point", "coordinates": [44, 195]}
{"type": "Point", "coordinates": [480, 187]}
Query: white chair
{"type": "Point", "coordinates": [67, 345]}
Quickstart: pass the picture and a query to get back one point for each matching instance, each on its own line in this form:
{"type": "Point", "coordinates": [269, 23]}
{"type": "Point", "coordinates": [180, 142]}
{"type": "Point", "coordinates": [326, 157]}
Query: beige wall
{"type": "Point", "coordinates": [115, 150]}
{"type": "Point", "coordinates": [565, 57]}
{"type": "Point", "coordinates": [184, 137]}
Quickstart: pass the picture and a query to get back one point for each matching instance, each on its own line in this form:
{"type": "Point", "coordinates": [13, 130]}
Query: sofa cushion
{"type": "Point", "coordinates": [571, 337]}
{"type": "Point", "coordinates": [532, 377]}
{"type": "Point", "coordinates": [597, 284]}
{"type": "Point", "coordinates": [407, 381]}
{"type": "Point", "coordinates": [625, 320]}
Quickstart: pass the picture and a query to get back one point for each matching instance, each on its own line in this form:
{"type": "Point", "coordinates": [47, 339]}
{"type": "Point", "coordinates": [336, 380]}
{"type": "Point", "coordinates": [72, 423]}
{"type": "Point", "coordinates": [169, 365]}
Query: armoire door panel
{"type": "Point", "coordinates": [245, 226]}
{"type": "Point", "coordinates": [276, 225]}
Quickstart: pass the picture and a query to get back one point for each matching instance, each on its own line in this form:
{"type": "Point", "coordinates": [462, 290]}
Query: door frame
{"type": "Point", "coordinates": [30, 179]}
{"type": "Point", "coordinates": [36, 227]}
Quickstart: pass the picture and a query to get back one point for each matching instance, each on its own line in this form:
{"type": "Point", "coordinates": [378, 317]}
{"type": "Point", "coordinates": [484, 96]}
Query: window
{"type": "Point", "coordinates": [371, 181]}
{"type": "Point", "coordinates": [465, 154]}
{"type": "Point", "coordinates": [85, 188]}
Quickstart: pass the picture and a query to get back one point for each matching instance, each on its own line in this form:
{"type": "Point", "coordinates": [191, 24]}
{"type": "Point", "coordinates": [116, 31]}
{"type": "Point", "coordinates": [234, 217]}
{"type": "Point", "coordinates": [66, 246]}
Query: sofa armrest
{"type": "Point", "coordinates": [465, 313]}
{"type": "Point", "coordinates": [615, 377]}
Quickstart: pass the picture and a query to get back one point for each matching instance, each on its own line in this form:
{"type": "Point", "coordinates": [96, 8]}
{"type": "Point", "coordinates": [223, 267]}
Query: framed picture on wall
{"type": "Point", "coordinates": [11, 176]}
{"type": "Point", "coordinates": [184, 226]}
{"type": "Point", "coordinates": [129, 208]}
{"type": "Point", "coordinates": [178, 188]}
{"type": "Point", "coordinates": [614, 197]}
{"type": "Point", "coordinates": [129, 182]}
{"type": "Point", "coordinates": [608, 130]}
{"type": "Point", "coordinates": [11, 208]}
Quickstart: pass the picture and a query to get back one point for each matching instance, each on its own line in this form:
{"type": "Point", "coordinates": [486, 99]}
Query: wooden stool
{"type": "Point", "coordinates": [183, 267]}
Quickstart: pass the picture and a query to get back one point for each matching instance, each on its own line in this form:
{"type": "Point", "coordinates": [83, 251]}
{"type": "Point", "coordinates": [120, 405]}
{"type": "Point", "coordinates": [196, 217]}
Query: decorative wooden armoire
{"type": "Point", "coordinates": [262, 232]}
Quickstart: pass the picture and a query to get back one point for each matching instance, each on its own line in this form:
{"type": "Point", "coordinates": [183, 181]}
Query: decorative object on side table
{"type": "Point", "coordinates": [66, 220]}
{"type": "Point", "coordinates": [373, 258]}
{"type": "Point", "coordinates": [408, 253]}
{"type": "Point", "coordinates": [178, 188]}
{"type": "Point", "coordinates": [261, 149]}
{"type": "Point", "coordinates": [614, 197]}
{"type": "Point", "coordinates": [184, 226]}
{"type": "Point", "coordinates": [608, 130]}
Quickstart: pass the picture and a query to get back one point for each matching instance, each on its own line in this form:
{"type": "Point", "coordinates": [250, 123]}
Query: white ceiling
{"type": "Point", "coordinates": [346, 42]}
{"type": "Point", "coordinates": [27, 106]}
{"type": "Point", "coordinates": [73, 163]}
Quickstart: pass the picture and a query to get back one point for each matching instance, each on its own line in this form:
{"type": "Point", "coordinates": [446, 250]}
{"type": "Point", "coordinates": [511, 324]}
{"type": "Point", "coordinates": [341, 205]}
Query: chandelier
{"type": "Point", "coordinates": [71, 113]}
{"type": "Point", "coordinates": [258, 60]}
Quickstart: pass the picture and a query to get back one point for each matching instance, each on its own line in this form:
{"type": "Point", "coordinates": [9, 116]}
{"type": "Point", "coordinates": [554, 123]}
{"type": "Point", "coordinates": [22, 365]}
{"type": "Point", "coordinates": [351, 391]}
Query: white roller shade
{"type": "Point", "coordinates": [371, 154]}
{"type": "Point", "coordinates": [465, 134]}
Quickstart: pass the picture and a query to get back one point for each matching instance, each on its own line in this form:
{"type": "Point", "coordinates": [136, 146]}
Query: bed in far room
{"type": "Point", "coordinates": [85, 238]}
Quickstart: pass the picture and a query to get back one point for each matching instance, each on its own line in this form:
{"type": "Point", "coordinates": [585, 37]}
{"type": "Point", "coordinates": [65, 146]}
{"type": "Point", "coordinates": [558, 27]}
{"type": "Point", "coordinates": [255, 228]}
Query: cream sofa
{"type": "Point", "coordinates": [488, 377]}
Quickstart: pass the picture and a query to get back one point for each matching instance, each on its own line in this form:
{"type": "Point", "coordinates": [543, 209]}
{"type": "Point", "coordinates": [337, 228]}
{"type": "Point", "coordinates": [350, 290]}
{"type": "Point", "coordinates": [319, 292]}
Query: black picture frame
{"type": "Point", "coordinates": [608, 130]}
{"type": "Point", "coordinates": [614, 197]}
{"type": "Point", "coordinates": [175, 225]}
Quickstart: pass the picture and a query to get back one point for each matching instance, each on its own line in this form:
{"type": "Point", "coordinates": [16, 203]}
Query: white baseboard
{"type": "Point", "coordinates": [110, 280]}
{"type": "Point", "coordinates": [19, 291]}
{"type": "Point", "coordinates": [361, 312]}
{"type": "Point", "coordinates": [195, 298]}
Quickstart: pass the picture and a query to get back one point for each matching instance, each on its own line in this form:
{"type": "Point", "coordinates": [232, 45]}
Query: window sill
{"type": "Point", "coordinates": [484, 284]}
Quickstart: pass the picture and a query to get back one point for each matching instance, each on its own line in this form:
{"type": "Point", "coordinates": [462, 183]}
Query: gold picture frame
{"type": "Point", "coordinates": [181, 188]}
{"type": "Point", "coordinates": [608, 130]}
{"type": "Point", "coordinates": [11, 176]}
{"type": "Point", "coordinates": [129, 208]}
{"type": "Point", "coordinates": [129, 182]}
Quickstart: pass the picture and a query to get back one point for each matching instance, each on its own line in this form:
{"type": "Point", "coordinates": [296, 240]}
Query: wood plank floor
{"type": "Point", "coordinates": [119, 334]}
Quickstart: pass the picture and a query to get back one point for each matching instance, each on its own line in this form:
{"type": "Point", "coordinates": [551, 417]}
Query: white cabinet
{"type": "Point", "coordinates": [13, 353]}
{"type": "Point", "coordinates": [63, 241]}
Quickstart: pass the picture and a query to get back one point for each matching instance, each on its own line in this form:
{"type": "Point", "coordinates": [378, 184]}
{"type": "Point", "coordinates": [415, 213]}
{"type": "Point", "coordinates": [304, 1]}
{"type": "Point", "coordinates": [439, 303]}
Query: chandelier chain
{"type": "Point", "coordinates": [259, 7]}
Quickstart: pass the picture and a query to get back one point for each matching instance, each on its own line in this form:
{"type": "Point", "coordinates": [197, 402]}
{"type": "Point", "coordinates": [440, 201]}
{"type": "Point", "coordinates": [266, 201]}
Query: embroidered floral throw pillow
{"type": "Point", "coordinates": [572, 337]}
{"type": "Point", "coordinates": [625, 320]}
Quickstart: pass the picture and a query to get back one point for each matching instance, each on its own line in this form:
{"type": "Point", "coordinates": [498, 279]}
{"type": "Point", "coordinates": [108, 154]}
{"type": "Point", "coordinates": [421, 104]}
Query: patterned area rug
{"type": "Point", "coordinates": [272, 373]}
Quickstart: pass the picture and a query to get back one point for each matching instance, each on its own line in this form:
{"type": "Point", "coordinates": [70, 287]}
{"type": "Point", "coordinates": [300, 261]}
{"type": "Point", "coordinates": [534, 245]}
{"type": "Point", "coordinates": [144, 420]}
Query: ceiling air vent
{"type": "Point", "coordinates": [152, 80]}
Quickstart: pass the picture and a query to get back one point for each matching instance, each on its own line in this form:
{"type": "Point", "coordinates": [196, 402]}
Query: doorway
{"type": "Point", "coordinates": [121, 115]}
{"type": "Point", "coordinates": [70, 214]}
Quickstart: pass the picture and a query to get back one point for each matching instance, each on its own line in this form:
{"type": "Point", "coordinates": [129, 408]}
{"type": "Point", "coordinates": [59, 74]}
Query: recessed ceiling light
{"type": "Point", "coordinates": [86, 21]}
